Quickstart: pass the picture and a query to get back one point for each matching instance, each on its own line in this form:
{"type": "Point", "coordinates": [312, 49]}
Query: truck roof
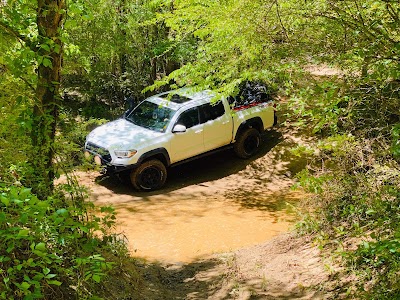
{"type": "Point", "coordinates": [182, 97]}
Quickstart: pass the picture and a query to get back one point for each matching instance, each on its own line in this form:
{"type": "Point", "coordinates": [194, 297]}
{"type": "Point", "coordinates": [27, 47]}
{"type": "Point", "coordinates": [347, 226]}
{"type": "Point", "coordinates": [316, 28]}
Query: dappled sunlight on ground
{"type": "Point", "coordinates": [215, 204]}
{"type": "Point", "coordinates": [215, 230]}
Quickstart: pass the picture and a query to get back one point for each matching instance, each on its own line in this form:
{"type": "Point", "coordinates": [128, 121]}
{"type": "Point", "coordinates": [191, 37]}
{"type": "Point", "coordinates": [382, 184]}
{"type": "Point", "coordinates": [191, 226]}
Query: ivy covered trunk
{"type": "Point", "coordinates": [50, 18]}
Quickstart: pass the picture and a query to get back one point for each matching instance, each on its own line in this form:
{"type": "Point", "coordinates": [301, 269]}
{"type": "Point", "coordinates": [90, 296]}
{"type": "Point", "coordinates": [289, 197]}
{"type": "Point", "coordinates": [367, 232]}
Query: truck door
{"type": "Point", "coordinates": [217, 125]}
{"type": "Point", "coordinates": [190, 143]}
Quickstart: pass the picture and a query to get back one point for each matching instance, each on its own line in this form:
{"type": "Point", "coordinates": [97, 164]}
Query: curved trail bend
{"type": "Point", "coordinates": [215, 204]}
{"type": "Point", "coordinates": [215, 231]}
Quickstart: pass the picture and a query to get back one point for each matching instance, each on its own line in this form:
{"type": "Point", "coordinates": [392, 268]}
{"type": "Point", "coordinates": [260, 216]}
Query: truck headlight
{"type": "Point", "coordinates": [125, 153]}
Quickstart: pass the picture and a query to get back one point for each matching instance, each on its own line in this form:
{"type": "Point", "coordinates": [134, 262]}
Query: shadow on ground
{"type": "Point", "coordinates": [212, 167]}
{"type": "Point", "coordinates": [218, 278]}
{"type": "Point", "coordinates": [151, 281]}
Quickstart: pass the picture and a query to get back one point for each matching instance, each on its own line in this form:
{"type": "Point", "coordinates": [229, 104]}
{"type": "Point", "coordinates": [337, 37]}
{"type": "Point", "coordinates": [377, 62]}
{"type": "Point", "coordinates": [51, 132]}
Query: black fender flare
{"type": "Point", "coordinates": [159, 153]}
{"type": "Point", "coordinates": [255, 122]}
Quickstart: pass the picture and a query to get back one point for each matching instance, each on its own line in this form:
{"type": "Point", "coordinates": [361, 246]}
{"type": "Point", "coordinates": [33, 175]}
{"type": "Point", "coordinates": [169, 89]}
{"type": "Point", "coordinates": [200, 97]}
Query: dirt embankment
{"type": "Point", "coordinates": [209, 233]}
{"type": "Point", "coordinates": [286, 267]}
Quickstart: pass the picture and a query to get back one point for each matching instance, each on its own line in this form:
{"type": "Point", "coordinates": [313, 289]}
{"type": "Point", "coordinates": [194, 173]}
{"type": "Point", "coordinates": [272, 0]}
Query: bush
{"type": "Point", "coordinates": [357, 211]}
{"type": "Point", "coordinates": [71, 140]}
{"type": "Point", "coordinates": [14, 128]}
{"type": "Point", "coordinates": [50, 247]}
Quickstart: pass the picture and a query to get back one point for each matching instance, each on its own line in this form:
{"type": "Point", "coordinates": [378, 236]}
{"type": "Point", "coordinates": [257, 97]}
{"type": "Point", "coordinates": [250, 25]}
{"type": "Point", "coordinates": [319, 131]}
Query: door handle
{"type": "Point", "coordinates": [199, 131]}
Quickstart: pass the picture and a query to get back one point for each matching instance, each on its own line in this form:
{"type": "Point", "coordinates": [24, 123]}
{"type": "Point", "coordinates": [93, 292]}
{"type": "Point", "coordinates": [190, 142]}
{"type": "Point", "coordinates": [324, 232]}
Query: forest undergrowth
{"type": "Point", "coordinates": [354, 176]}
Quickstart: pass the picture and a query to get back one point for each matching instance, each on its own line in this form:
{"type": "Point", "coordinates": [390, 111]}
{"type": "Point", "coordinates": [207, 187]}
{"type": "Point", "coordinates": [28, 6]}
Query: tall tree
{"type": "Point", "coordinates": [50, 18]}
{"type": "Point", "coordinates": [37, 28]}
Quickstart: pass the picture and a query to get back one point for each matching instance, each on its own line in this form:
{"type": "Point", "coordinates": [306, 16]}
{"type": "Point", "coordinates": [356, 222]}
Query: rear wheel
{"type": "Point", "coordinates": [149, 176]}
{"type": "Point", "coordinates": [247, 143]}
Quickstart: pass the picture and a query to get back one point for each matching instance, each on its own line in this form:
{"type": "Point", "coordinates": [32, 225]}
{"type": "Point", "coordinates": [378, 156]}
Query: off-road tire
{"type": "Point", "coordinates": [247, 143]}
{"type": "Point", "coordinates": [149, 176]}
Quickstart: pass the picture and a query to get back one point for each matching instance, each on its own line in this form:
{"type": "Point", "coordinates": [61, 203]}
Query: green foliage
{"type": "Point", "coordinates": [380, 263]}
{"type": "Point", "coordinates": [358, 195]}
{"type": "Point", "coordinates": [355, 179]}
{"type": "Point", "coordinates": [357, 106]}
{"type": "Point", "coordinates": [70, 144]}
{"type": "Point", "coordinates": [34, 55]}
{"type": "Point", "coordinates": [117, 51]}
{"type": "Point", "coordinates": [91, 268]}
{"type": "Point", "coordinates": [321, 106]}
{"type": "Point", "coordinates": [49, 244]}
{"type": "Point", "coordinates": [237, 41]}
{"type": "Point", "coordinates": [396, 141]}
{"type": "Point", "coordinates": [366, 37]}
{"type": "Point", "coordinates": [15, 123]}
{"type": "Point", "coordinates": [18, 29]}
{"type": "Point", "coordinates": [310, 183]}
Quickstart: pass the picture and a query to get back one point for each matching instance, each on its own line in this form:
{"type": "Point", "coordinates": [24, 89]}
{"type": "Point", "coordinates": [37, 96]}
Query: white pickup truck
{"type": "Point", "coordinates": [174, 127]}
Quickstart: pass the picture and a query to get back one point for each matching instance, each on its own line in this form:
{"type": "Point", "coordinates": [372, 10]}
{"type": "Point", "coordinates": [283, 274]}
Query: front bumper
{"type": "Point", "coordinates": [110, 169]}
{"type": "Point", "coordinates": [102, 157]}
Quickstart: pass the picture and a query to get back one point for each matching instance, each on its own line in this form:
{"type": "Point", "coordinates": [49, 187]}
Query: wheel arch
{"type": "Point", "coordinates": [255, 122]}
{"type": "Point", "coordinates": [160, 153]}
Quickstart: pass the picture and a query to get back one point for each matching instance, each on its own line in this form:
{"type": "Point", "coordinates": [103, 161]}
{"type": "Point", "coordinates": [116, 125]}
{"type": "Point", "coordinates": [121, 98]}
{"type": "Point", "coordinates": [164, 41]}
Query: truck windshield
{"type": "Point", "coordinates": [151, 116]}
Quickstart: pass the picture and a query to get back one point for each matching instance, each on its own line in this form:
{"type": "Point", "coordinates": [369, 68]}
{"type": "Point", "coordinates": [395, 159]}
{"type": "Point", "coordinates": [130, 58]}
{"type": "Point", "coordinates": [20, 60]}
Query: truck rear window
{"type": "Point", "coordinates": [211, 111]}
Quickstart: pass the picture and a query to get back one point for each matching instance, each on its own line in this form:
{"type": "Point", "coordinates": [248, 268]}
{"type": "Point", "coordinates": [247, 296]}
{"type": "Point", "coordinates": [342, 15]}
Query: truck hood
{"type": "Point", "coordinates": [121, 135]}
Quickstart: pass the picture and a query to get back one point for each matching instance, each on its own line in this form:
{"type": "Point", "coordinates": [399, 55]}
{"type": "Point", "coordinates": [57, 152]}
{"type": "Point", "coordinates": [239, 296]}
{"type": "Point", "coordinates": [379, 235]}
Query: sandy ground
{"type": "Point", "coordinates": [286, 267]}
{"type": "Point", "coordinates": [219, 229]}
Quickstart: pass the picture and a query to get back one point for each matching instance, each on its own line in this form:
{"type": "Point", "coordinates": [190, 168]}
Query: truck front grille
{"type": "Point", "coordinates": [97, 150]}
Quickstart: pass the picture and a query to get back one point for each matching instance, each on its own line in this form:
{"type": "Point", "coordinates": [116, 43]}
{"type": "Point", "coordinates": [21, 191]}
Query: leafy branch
{"type": "Point", "coordinates": [9, 30]}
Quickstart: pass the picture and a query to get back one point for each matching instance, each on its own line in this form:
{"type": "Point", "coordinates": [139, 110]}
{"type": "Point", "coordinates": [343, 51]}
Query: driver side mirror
{"type": "Point", "coordinates": [179, 128]}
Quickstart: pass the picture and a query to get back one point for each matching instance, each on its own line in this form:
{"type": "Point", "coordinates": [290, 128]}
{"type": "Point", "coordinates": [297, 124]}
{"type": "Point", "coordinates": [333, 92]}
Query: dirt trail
{"type": "Point", "coordinates": [205, 232]}
{"type": "Point", "coordinates": [216, 204]}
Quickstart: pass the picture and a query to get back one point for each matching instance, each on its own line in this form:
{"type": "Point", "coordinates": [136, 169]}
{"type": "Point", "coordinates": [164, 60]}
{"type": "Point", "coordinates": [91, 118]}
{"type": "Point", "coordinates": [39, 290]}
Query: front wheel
{"type": "Point", "coordinates": [150, 175]}
{"type": "Point", "coordinates": [247, 143]}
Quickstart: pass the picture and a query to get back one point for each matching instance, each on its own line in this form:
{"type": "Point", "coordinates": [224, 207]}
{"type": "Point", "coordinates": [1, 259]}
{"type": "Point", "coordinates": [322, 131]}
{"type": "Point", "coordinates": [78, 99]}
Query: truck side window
{"type": "Point", "coordinates": [210, 112]}
{"type": "Point", "coordinates": [189, 118]}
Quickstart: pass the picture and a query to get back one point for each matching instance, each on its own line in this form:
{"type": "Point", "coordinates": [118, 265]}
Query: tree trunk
{"type": "Point", "coordinates": [50, 18]}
